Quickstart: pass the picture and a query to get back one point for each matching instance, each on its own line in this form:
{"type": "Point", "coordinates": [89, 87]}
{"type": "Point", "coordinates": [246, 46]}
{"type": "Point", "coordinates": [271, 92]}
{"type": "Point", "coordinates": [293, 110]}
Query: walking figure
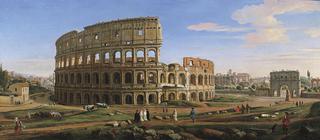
{"type": "Point", "coordinates": [193, 115]}
{"type": "Point", "coordinates": [141, 116]}
{"type": "Point", "coordinates": [18, 126]}
{"type": "Point", "coordinates": [247, 108]}
{"type": "Point", "coordinates": [137, 116]}
{"type": "Point", "coordinates": [175, 115]}
{"type": "Point", "coordinates": [243, 108]}
{"type": "Point", "coordinates": [145, 118]}
{"type": "Point", "coordinates": [285, 123]}
{"type": "Point", "coordinates": [148, 115]}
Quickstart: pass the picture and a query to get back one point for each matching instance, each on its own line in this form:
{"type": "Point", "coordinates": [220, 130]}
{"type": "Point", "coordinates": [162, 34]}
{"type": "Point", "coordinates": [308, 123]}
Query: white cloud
{"type": "Point", "coordinates": [39, 67]}
{"type": "Point", "coordinates": [314, 32]}
{"type": "Point", "coordinates": [214, 27]}
{"type": "Point", "coordinates": [262, 17]}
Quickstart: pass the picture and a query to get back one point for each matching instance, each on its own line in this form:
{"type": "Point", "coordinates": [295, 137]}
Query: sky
{"type": "Point", "coordinates": [253, 36]}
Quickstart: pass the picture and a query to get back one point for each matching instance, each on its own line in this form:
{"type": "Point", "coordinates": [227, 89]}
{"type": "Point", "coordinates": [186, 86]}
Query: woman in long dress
{"type": "Point", "coordinates": [175, 115]}
{"type": "Point", "coordinates": [141, 115]}
{"type": "Point", "coordinates": [145, 115]}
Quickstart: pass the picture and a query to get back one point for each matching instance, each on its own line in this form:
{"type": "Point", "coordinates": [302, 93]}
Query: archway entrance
{"type": "Point", "coordinates": [96, 99]}
{"type": "Point", "coordinates": [193, 97]}
{"type": "Point", "coordinates": [284, 90]}
{"type": "Point", "coordinates": [129, 99]}
{"type": "Point", "coordinates": [162, 98]}
{"type": "Point", "coordinates": [116, 99]}
{"type": "Point", "coordinates": [183, 96]}
{"type": "Point", "coordinates": [201, 97]}
{"type": "Point", "coordinates": [140, 99]}
{"type": "Point", "coordinates": [171, 97]}
{"type": "Point", "coordinates": [152, 98]}
{"type": "Point", "coordinates": [106, 99]}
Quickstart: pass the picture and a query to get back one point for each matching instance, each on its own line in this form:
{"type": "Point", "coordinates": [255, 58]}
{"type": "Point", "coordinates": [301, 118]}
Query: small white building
{"type": "Point", "coordinates": [21, 90]}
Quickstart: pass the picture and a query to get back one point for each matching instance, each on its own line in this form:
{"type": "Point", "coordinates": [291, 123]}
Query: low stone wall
{"type": "Point", "coordinates": [258, 92]}
{"type": "Point", "coordinates": [6, 100]}
{"type": "Point", "coordinates": [310, 95]}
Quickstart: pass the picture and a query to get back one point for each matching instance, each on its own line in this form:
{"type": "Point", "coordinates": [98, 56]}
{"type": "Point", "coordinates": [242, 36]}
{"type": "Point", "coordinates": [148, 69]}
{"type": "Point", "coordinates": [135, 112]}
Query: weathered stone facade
{"type": "Point", "coordinates": [118, 62]}
{"type": "Point", "coordinates": [288, 81]}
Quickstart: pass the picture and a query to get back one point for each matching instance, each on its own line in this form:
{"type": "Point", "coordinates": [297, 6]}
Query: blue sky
{"type": "Point", "coordinates": [246, 36]}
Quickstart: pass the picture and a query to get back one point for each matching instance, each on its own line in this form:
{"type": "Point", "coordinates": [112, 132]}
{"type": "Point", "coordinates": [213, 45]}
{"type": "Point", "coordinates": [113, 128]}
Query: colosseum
{"type": "Point", "coordinates": [118, 62]}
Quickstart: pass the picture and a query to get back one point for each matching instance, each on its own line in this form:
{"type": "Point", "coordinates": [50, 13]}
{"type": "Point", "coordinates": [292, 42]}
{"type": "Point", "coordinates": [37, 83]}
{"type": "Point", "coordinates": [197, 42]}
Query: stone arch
{"type": "Point", "coordinates": [97, 58]}
{"type": "Point", "coordinates": [72, 78]}
{"type": "Point", "coordinates": [201, 97]}
{"type": "Point", "coordinates": [96, 78]}
{"type": "Point", "coordinates": [71, 98]}
{"type": "Point", "coordinates": [79, 78]}
{"type": "Point", "coordinates": [200, 79]}
{"type": "Point", "coordinates": [206, 96]}
{"type": "Point", "coordinates": [78, 99]}
{"type": "Point", "coordinates": [162, 78]}
{"type": "Point", "coordinates": [140, 78]}
{"type": "Point", "coordinates": [128, 55]}
{"type": "Point", "coordinates": [87, 78]}
{"type": "Point", "coordinates": [129, 99]}
{"type": "Point", "coordinates": [171, 78]}
{"type": "Point", "coordinates": [116, 78]}
{"type": "Point", "coordinates": [206, 80]}
{"type": "Point", "coordinates": [151, 55]}
{"type": "Point", "coordinates": [193, 79]}
{"type": "Point", "coordinates": [152, 98]}
{"type": "Point", "coordinates": [96, 99]}
{"type": "Point", "coordinates": [117, 57]}
{"type": "Point", "coordinates": [183, 96]}
{"type": "Point", "coordinates": [128, 78]}
{"type": "Point", "coordinates": [106, 57]}
{"type": "Point", "coordinates": [182, 79]}
{"type": "Point", "coordinates": [106, 78]}
{"type": "Point", "coordinates": [106, 99]}
{"type": "Point", "coordinates": [172, 96]}
{"type": "Point", "coordinates": [86, 99]}
{"type": "Point", "coordinates": [194, 97]}
{"type": "Point", "coordinates": [152, 78]}
{"type": "Point", "coordinates": [140, 56]}
{"type": "Point", "coordinates": [116, 99]}
{"type": "Point", "coordinates": [162, 98]}
{"type": "Point", "coordinates": [140, 99]}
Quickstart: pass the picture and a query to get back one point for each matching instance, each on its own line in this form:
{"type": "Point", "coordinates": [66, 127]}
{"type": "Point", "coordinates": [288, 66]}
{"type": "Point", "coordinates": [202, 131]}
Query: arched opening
{"type": "Point", "coordinates": [72, 78]}
{"type": "Point", "coordinates": [65, 99]}
{"type": "Point", "coordinates": [140, 56]}
{"type": "Point", "coordinates": [171, 78]}
{"type": "Point", "coordinates": [162, 98]}
{"type": "Point", "coordinates": [106, 78]}
{"type": "Point", "coordinates": [162, 78]}
{"type": "Point", "coordinates": [87, 78]}
{"type": "Point", "coordinates": [106, 57]}
{"type": "Point", "coordinates": [80, 60]}
{"type": "Point", "coordinates": [152, 98]}
{"type": "Point", "coordinates": [96, 78]}
{"type": "Point", "coordinates": [182, 79]}
{"type": "Point", "coordinates": [128, 56]}
{"type": "Point", "coordinates": [97, 58]}
{"type": "Point", "coordinates": [106, 99]}
{"type": "Point", "coordinates": [151, 56]}
{"type": "Point", "coordinates": [206, 80]}
{"type": "Point", "coordinates": [201, 97]}
{"type": "Point", "coordinates": [88, 59]}
{"type": "Point", "coordinates": [140, 99]}
{"type": "Point", "coordinates": [129, 99]}
{"type": "Point", "coordinates": [128, 78]}
{"type": "Point", "coordinates": [79, 79]}
{"type": "Point", "coordinates": [200, 80]}
{"type": "Point", "coordinates": [71, 98]}
{"type": "Point", "coordinates": [116, 78]}
{"type": "Point", "coordinates": [172, 97]}
{"type": "Point", "coordinates": [66, 78]}
{"type": "Point", "coordinates": [96, 99]}
{"type": "Point", "coordinates": [183, 96]}
{"type": "Point", "coordinates": [193, 79]}
{"type": "Point", "coordinates": [284, 90]}
{"type": "Point", "coordinates": [117, 57]}
{"type": "Point", "coordinates": [78, 99]}
{"type": "Point", "coordinates": [140, 78]}
{"type": "Point", "coordinates": [206, 96]}
{"type": "Point", "coordinates": [117, 99]}
{"type": "Point", "coordinates": [86, 99]}
{"type": "Point", "coordinates": [194, 97]}
{"type": "Point", "coordinates": [152, 78]}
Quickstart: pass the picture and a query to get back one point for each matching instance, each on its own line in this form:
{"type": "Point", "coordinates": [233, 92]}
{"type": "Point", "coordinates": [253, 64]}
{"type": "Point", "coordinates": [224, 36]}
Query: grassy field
{"type": "Point", "coordinates": [229, 98]}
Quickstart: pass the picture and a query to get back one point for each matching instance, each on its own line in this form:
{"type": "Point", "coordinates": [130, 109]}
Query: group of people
{"type": "Point", "coordinates": [18, 126]}
{"type": "Point", "coordinates": [142, 115]}
{"type": "Point", "coordinates": [243, 109]}
{"type": "Point", "coordinates": [299, 103]}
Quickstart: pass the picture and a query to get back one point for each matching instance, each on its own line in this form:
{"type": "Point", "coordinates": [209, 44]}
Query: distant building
{"type": "Point", "coordinates": [232, 78]}
{"type": "Point", "coordinates": [285, 82]}
{"type": "Point", "coordinates": [21, 90]}
{"type": "Point", "coordinates": [17, 93]}
{"type": "Point", "coordinates": [315, 82]}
